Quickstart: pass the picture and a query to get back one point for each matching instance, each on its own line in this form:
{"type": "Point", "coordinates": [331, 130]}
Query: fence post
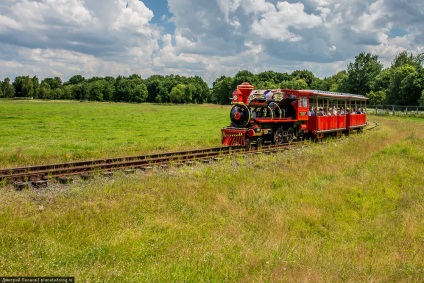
{"type": "Point", "coordinates": [393, 110]}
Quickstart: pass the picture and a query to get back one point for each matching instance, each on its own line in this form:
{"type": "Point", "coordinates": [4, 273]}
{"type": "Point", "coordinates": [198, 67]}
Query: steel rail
{"type": "Point", "coordinates": [46, 172]}
{"type": "Point", "coordinates": [50, 167]}
{"type": "Point", "coordinates": [372, 127]}
{"type": "Point", "coordinates": [49, 171]}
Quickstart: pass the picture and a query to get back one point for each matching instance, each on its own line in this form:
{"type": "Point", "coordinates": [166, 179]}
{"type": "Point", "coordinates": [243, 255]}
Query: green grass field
{"type": "Point", "coordinates": [339, 211]}
{"type": "Point", "coordinates": [34, 132]}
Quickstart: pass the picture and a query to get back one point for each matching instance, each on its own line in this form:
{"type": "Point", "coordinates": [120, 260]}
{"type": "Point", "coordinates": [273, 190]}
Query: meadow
{"type": "Point", "coordinates": [348, 210]}
{"type": "Point", "coordinates": [39, 132]}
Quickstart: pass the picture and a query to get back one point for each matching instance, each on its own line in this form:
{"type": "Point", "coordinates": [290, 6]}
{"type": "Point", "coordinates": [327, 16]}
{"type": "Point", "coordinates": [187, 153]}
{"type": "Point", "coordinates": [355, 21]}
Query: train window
{"type": "Point", "coordinates": [303, 101]}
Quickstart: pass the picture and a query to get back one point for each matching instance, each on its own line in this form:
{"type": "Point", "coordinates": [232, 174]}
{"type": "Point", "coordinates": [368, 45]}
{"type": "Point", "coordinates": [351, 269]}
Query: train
{"type": "Point", "coordinates": [278, 116]}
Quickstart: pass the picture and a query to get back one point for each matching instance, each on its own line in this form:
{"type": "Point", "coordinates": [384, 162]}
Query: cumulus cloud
{"type": "Point", "coordinates": [211, 37]}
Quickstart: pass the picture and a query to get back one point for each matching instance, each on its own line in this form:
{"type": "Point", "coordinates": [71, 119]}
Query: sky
{"type": "Point", "coordinates": [207, 38]}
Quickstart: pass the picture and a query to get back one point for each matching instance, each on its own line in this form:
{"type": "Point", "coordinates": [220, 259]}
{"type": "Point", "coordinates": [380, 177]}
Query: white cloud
{"type": "Point", "coordinates": [275, 22]}
{"type": "Point", "coordinates": [211, 37]}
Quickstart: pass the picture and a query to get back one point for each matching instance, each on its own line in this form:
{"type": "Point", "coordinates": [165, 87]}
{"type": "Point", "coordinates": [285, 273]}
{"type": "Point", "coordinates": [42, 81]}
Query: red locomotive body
{"type": "Point", "coordinates": [282, 115]}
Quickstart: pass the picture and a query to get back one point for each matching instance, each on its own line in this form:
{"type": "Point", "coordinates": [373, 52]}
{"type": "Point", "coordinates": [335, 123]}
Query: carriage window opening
{"type": "Point", "coordinates": [305, 101]}
{"type": "Point", "coordinates": [311, 103]}
{"type": "Point", "coordinates": [302, 102]}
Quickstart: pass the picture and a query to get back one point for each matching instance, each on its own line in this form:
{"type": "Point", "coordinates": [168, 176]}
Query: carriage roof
{"type": "Point", "coordinates": [331, 94]}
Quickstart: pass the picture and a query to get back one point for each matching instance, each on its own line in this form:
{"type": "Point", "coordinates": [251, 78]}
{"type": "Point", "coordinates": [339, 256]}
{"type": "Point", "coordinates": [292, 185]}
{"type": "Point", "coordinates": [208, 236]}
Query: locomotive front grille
{"type": "Point", "coordinates": [233, 137]}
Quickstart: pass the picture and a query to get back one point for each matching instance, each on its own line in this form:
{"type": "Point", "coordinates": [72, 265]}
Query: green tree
{"type": "Point", "coordinates": [403, 58]}
{"type": "Point", "coordinates": [382, 81]}
{"type": "Point", "coordinates": [108, 88]}
{"type": "Point", "coordinates": [81, 91]}
{"type": "Point", "coordinates": [305, 75]}
{"type": "Point", "coordinates": [360, 74]}
{"type": "Point", "coordinates": [222, 90]}
{"type": "Point", "coordinates": [96, 90]}
{"type": "Point", "coordinates": [36, 87]}
{"type": "Point", "coordinates": [8, 88]}
{"type": "Point", "coordinates": [67, 92]}
{"type": "Point", "coordinates": [405, 87]}
{"type": "Point", "coordinates": [421, 100]}
{"type": "Point", "coordinates": [317, 84]}
{"type": "Point", "coordinates": [23, 86]}
{"type": "Point", "coordinates": [201, 91]}
{"type": "Point", "coordinates": [130, 89]}
{"type": "Point", "coordinates": [50, 88]}
{"type": "Point", "coordinates": [58, 93]}
{"type": "Point", "coordinates": [139, 93]}
{"type": "Point", "coordinates": [45, 90]}
{"type": "Point", "coordinates": [54, 83]}
{"type": "Point", "coordinates": [330, 83]}
{"type": "Point", "coordinates": [376, 98]}
{"type": "Point", "coordinates": [76, 79]}
{"type": "Point", "coordinates": [189, 92]}
{"type": "Point", "coordinates": [243, 76]}
{"type": "Point", "coordinates": [270, 79]}
{"type": "Point", "coordinates": [294, 84]}
{"type": "Point", "coordinates": [177, 93]}
{"type": "Point", "coordinates": [154, 84]}
{"type": "Point", "coordinates": [266, 85]}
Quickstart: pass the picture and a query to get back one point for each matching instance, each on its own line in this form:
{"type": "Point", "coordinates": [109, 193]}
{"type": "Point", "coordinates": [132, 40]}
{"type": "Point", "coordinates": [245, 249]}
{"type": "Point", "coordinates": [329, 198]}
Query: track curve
{"type": "Point", "coordinates": [40, 174]}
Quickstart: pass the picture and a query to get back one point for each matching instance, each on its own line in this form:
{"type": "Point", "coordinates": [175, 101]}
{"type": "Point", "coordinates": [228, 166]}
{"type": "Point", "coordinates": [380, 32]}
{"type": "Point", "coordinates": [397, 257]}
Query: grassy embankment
{"type": "Point", "coordinates": [347, 211]}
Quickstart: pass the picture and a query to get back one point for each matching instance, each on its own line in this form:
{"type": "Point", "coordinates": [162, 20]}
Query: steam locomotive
{"type": "Point", "coordinates": [280, 116]}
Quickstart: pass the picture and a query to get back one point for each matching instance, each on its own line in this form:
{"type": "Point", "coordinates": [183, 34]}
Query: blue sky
{"type": "Point", "coordinates": [161, 14]}
{"type": "Point", "coordinates": [208, 38]}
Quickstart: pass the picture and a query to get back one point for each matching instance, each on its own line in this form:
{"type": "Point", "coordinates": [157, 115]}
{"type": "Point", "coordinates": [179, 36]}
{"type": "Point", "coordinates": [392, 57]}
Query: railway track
{"type": "Point", "coordinates": [371, 125]}
{"type": "Point", "coordinates": [38, 176]}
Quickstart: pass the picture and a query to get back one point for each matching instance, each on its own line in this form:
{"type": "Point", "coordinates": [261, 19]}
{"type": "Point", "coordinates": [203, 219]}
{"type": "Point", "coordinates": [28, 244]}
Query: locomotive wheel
{"type": "Point", "coordinates": [248, 144]}
{"type": "Point", "coordinates": [290, 135]}
{"type": "Point", "coordinates": [279, 136]}
{"type": "Point", "coordinates": [259, 142]}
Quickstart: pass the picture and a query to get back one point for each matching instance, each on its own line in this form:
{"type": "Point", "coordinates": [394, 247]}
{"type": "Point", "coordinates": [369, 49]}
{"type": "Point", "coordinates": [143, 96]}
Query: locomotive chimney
{"type": "Point", "coordinates": [241, 94]}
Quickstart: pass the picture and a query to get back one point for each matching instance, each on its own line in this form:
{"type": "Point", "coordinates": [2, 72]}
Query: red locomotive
{"type": "Point", "coordinates": [282, 115]}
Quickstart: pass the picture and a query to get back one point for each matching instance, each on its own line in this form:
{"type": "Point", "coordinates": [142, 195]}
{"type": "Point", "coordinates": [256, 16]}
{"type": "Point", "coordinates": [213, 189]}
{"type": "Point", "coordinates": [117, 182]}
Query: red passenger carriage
{"type": "Point", "coordinates": [282, 115]}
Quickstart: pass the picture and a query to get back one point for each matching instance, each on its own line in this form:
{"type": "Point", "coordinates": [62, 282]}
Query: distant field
{"type": "Point", "coordinates": [348, 210]}
{"type": "Point", "coordinates": [34, 132]}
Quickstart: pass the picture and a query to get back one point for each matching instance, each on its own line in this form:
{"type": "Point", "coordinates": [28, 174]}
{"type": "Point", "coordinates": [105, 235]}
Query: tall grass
{"type": "Point", "coordinates": [339, 211]}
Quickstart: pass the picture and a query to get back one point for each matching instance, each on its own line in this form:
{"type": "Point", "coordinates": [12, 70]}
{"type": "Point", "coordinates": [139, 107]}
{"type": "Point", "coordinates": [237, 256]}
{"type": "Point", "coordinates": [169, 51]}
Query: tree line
{"type": "Point", "coordinates": [401, 84]}
{"type": "Point", "coordinates": [158, 89]}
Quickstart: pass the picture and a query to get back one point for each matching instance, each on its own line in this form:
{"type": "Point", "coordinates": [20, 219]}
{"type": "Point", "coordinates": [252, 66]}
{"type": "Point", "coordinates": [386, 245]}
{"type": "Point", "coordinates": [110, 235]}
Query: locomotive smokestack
{"type": "Point", "coordinates": [241, 94]}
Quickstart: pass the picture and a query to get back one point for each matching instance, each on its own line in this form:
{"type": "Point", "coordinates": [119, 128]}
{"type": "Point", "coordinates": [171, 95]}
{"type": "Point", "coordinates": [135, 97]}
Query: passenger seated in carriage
{"type": "Point", "coordinates": [327, 112]}
{"type": "Point", "coordinates": [335, 112]}
{"type": "Point", "coordinates": [311, 111]}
